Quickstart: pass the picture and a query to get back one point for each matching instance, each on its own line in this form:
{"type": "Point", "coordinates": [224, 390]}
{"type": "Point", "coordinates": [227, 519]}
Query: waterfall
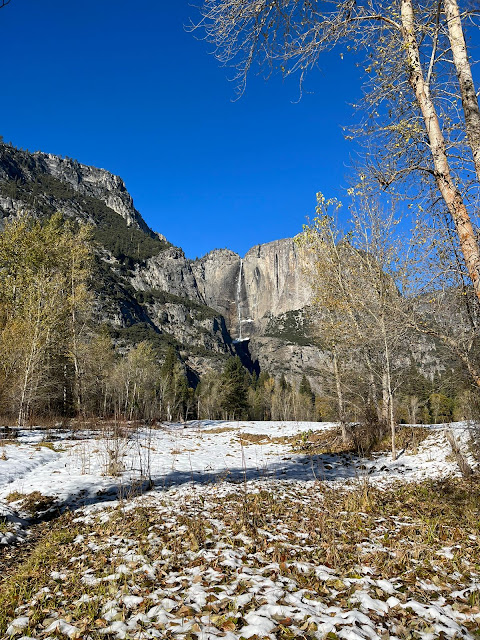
{"type": "Point", "coordinates": [239, 293]}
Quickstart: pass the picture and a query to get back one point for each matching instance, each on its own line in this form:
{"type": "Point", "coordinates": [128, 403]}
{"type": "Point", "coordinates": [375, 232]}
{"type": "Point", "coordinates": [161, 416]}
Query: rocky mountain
{"type": "Point", "coordinates": [210, 308]}
{"type": "Point", "coordinates": [261, 297]}
{"type": "Point", "coordinates": [22, 167]}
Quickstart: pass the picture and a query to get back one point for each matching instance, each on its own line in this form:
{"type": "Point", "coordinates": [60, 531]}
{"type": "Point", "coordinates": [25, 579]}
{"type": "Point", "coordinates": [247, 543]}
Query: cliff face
{"type": "Point", "coordinates": [248, 292]}
{"type": "Point", "coordinates": [262, 298]}
{"type": "Point", "coordinates": [267, 282]}
{"type": "Point", "coordinates": [24, 167]}
{"type": "Point", "coordinates": [169, 271]}
{"type": "Point", "coordinates": [147, 289]}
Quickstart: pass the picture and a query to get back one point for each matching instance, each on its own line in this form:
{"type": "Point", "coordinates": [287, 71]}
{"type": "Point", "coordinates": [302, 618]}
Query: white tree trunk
{"type": "Point", "coordinates": [464, 73]}
{"type": "Point", "coordinates": [443, 177]}
{"type": "Point", "coordinates": [341, 406]}
{"type": "Point", "coordinates": [388, 390]}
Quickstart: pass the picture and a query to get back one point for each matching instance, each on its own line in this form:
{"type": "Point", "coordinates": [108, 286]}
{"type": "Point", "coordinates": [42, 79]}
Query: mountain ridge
{"type": "Point", "coordinates": [209, 308]}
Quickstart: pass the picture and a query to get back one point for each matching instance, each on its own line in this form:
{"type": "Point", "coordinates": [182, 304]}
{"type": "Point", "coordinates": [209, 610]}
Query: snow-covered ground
{"type": "Point", "coordinates": [227, 584]}
{"type": "Point", "coordinates": [75, 467]}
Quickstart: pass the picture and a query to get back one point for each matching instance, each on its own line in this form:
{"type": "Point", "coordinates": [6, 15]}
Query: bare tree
{"type": "Point", "coordinates": [40, 293]}
{"type": "Point", "coordinates": [407, 62]}
{"type": "Point", "coordinates": [440, 300]}
{"type": "Point", "coordinates": [356, 282]}
{"type": "Point", "coordinates": [338, 330]}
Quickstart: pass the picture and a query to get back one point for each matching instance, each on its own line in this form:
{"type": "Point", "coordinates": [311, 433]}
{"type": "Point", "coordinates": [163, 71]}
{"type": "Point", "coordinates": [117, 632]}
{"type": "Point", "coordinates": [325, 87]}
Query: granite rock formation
{"type": "Point", "coordinates": [210, 308]}
{"type": "Point", "coordinates": [23, 167]}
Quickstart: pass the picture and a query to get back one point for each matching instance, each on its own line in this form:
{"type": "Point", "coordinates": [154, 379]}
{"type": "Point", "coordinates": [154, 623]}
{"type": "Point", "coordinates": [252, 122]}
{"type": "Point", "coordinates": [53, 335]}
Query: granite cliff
{"type": "Point", "coordinates": [262, 297]}
{"type": "Point", "coordinates": [210, 308]}
{"type": "Point", "coordinates": [22, 167]}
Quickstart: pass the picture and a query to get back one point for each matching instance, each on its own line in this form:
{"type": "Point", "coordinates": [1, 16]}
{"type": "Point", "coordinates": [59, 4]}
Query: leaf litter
{"type": "Point", "coordinates": [355, 557]}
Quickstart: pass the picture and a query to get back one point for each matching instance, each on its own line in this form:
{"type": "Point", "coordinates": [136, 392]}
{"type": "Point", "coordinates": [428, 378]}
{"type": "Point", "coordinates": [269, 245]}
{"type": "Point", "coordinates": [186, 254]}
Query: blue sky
{"type": "Point", "coordinates": [123, 86]}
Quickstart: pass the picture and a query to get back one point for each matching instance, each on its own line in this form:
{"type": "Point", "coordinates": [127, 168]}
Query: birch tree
{"type": "Point", "coordinates": [412, 99]}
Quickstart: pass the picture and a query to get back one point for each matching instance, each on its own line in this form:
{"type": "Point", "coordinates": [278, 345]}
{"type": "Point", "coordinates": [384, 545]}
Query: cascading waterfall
{"type": "Point", "coordinates": [239, 293]}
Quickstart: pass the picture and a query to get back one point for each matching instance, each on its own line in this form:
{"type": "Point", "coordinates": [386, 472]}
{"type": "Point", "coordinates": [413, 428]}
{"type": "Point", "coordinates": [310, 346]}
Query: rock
{"type": "Point", "coordinates": [16, 164]}
{"type": "Point", "coordinates": [213, 307]}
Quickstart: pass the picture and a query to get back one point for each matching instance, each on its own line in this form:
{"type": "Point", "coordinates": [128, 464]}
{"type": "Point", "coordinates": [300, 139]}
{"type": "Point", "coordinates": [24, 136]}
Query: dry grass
{"type": "Point", "coordinates": [398, 534]}
{"type": "Point", "coordinates": [9, 441]}
{"type": "Point", "coordinates": [20, 582]}
{"type": "Point", "coordinates": [254, 438]}
{"type": "Point", "coordinates": [48, 422]}
{"type": "Point", "coordinates": [33, 503]}
{"type": "Point", "coordinates": [292, 441]}
{"type": "Point", "coordinates": [48, 445]}
{"type": "Point", "coordinates": [220, 430]}
{"type": "Point", "coordinates": [330, 441]}
{"type": "Point", "coordinates": [320, 442]}
{"type": "Point", "coordinates": [409, 438]}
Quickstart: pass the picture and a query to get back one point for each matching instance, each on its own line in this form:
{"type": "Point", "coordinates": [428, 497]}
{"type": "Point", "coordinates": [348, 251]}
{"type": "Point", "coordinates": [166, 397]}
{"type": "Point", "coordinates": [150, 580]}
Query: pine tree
{"type": "Point", "coordinates": [305, 389]}
{"type": "Point", "coordinates": [176, 396]}
{"type": "Point", "coordinates": [234, 389]}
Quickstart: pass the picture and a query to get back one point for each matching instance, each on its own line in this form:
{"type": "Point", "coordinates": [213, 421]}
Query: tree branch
{"type": "Point", "coordinates": [379, 18]}
{"type": "Point", "coordinates": [434, 47]}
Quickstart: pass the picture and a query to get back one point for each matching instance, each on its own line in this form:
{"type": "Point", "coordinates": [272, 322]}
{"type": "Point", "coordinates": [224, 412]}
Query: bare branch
{"type": "Point", "coordinates": [434, 47]}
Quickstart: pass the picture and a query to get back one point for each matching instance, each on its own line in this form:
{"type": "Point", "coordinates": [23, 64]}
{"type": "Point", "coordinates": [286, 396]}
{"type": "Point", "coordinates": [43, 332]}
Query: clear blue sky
{"type": "Point", "coordinates": [122, 86]}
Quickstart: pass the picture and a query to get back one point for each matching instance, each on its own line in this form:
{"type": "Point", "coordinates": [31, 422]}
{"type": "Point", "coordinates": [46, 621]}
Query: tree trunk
{"type": "Point", "coordinates": [384, 412]}
{"type": "Point", "coordinates": [443, 177]}
{"type": "Point", "coordinates": [78, 390]}
{"type": "Point", "coordinates": [29, 369]}
{"type": "Point", "coordinates": [464, 73]}
{"type": "Point", "coordinates": [341, 407]}
{"type": "Point", "coordinates": [387, 387]}
{"type": "Point", "coordinates": [372, 388]}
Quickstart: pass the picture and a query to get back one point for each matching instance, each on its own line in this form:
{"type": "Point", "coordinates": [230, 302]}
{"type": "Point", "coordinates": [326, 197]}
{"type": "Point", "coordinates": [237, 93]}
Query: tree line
{"type": "Point", "coordinates": [56, 359]}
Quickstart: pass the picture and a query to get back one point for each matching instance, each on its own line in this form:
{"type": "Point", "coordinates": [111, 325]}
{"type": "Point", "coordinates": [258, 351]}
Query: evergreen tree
{"type": "Point", "coordinates": [176, 397]}
{"type": "Point", "coordinates": [234, 389]}
{"type": "Point", "coordinates": [306, 390]}
{"type": "Point", "coordinates": [284, 386]}
{"type": "Point", "coordinates": [307, 400]}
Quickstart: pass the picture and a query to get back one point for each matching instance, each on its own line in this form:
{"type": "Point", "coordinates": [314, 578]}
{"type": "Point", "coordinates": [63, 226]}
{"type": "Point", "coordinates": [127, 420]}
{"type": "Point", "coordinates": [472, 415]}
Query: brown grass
{"type": "Point", "coordinates": [409, 438]}
{"type": "Point", "coordinates": [254, 438]}
{"type": "Point", "coordinates": [330, 441]}
{"type": "Point", "coordinates": [219, 430]}
{"type": "Point", "coordinates": [334, 523]}
{"type": "Point", "coordinates": [18, 583]}
{"type": "Point", "coordinates": [33, 503]}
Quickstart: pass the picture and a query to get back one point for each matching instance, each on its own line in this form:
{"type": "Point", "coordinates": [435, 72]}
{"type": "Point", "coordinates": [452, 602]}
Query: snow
{"type": "Point", "coordinates": [63, 628]}
{"type": "Point", "coordinates": [17, 625]}
{"type": "Point", "coordinates": [228, 586]}
{"type": "Point", "coordinates": [75, 472]}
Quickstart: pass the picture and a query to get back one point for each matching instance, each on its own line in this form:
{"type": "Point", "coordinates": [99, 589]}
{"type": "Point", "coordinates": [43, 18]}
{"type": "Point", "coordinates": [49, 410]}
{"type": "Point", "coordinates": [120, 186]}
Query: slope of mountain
{"type": "Point", "coordinates": [209, 308]}
{"type": "Point", "coordinates": [41, 184]}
